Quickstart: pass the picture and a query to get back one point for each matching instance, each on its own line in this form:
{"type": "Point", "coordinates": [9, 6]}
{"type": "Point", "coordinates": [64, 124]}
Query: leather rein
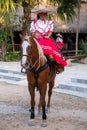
{"type": "Point", "coordinates": [36, 72]}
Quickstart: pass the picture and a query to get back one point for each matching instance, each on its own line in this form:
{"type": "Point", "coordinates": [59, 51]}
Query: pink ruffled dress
{"type": "Point", "coordinates": [42, 29]}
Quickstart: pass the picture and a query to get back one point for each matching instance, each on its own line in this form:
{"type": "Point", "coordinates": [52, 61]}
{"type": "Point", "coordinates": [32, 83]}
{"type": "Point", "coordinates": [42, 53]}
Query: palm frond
{"type": "Point", "coordinates": [66, 9]}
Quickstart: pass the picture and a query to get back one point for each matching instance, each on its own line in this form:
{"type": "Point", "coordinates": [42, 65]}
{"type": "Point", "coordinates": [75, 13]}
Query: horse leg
{"type": "Point", "coordinates": [43, 89]}
{"type": "Point", "coordinates": [32, 94]}
{"type": "Point", "coordinates": [51, 85]}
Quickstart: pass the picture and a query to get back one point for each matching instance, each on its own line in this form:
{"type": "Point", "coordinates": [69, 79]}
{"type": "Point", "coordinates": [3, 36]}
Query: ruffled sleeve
{"type": "Point", "coordinates": [32, 27]}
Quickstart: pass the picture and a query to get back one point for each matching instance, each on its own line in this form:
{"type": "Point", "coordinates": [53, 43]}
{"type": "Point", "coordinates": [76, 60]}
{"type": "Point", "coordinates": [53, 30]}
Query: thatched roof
{"type": "Point", "coordinates": [72, 27]}
{"type": "Point", "coordinates": [62, 27]}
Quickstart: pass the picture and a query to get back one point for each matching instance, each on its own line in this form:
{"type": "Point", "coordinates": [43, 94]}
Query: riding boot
{"type": "Point", "coordinates": [50, 58]}
{"type": "Point", "coordinates": [59, 68]}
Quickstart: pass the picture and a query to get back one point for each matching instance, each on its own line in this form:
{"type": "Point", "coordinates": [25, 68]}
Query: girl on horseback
{"type": "Point", "coordinates": [41, 30]}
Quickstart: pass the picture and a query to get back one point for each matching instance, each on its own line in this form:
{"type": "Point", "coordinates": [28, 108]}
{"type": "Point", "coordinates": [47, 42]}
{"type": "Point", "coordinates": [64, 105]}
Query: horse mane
{"type": "Point", "coordinates": [40, 51]}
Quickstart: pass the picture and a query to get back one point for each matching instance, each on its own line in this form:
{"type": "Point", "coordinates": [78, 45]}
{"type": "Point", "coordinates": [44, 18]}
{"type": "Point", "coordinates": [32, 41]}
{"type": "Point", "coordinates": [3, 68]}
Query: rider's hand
{"type": "Point", "coordinates": [33, 34]}
{"type": "Point", "coordinates": [49, 34]}
{"type": "Point", "coordinates": [38, 35]}
{"type": "Point", "coordinates": [46, 36]}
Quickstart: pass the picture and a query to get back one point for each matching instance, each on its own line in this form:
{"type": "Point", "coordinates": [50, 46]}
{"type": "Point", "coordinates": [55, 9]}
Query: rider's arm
{"type": "Point", "coordinates": [51, 24]}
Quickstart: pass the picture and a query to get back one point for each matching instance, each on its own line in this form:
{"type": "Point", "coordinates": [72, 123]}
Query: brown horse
{"type": "Point", "coordinates": [39, 73]}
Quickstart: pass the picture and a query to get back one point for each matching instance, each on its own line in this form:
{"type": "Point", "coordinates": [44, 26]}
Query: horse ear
{"type": "Point", "coordinates": [21, 36]}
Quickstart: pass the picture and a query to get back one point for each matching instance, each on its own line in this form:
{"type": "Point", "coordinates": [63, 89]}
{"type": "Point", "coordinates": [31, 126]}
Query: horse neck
{"type": "Point", "coordinates": [37, 60]}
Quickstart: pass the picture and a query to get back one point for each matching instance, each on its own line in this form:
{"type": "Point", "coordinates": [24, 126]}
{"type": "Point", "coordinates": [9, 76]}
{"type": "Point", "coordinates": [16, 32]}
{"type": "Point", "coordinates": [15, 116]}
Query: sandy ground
{"type": "Point", "coordinates": [66, 113]}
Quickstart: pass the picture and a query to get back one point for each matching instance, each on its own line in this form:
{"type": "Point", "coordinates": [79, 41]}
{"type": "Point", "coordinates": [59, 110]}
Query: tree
{"type": "Point", "coordinates": [6, 6]}
{"type": "Point", "coordinates": [65, 8]}
{"type": "Point", "coordinates": [7, 9]}
{"type": "Point", "coordinates": [28, 5]}
{"type": "Point", "coordinates": [77, 29]}
{"type": "Point", "coordinates": [66, 11]}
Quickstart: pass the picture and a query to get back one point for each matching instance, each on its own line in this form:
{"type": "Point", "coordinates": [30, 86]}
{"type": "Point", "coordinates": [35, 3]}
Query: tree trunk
{"type": "Point", "coordinates": [77, 29]}
{"type": "Point", "coordinates": [27, 19]}
{"type": "Point", "coordinates": [3, 48]}
{"type": "Point", "coordinates": [13, 46]}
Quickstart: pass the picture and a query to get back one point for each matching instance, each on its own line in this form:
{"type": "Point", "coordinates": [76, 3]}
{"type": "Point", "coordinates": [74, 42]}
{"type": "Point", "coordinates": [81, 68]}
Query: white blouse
{"type": "Point", "coordinates": [41, 27]}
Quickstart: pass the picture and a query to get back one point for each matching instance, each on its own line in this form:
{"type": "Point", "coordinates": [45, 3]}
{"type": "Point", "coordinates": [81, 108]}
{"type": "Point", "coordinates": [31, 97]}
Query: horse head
{"type": "Point", "coordinates": [25, 44]}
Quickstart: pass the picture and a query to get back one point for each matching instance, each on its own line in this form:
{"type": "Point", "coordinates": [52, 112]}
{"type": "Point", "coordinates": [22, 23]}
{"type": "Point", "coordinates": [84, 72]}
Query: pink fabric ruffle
{"type": "Point", "coordinates": [49, 48]}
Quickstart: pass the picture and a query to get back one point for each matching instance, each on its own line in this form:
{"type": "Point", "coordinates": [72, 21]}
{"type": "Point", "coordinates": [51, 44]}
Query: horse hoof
{"type": "Point", "coordinates": [43, 124]}
{"type": "Point", "coordinates": [31, 123]}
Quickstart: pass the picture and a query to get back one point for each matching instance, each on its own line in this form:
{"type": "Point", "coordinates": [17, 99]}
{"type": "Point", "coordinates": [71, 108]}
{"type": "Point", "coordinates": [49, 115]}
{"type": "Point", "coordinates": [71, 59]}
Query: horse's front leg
{"type": "Point", "coordinates": [32, 94]}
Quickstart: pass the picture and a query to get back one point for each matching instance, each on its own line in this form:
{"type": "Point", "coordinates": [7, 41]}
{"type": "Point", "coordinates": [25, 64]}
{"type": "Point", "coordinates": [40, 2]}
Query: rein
{"type": "Point", "coordinates": [25, 55]}
{"type": "Point", "coordinates": [36, 72]}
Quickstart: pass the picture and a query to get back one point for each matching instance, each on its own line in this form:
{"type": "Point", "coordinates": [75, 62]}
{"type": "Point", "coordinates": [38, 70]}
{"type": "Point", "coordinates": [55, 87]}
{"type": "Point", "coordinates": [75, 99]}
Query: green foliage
{"type": "Point", "coordinates": [83, 46]}
{"type": "Point", "coordinates": [7, 10]}
{"type": "Point", "coordinates": [17, 1]}
{"type": "Point", "coordinates": [7, 6]}
{"type": "Point", "coordinates": [66, 8]}
{"type": "Point", "coordinates": [12, 56]}
{"type": "Point", "coordinates": [30, 3]}
{"type": "Point", "coordinates": [2, 36]}
{"type": "Point", "coordinates": [8, 48]}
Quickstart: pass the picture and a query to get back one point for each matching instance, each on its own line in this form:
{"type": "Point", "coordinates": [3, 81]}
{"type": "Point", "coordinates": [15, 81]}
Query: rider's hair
{"type": "Point", "coordinates": [38, 16]}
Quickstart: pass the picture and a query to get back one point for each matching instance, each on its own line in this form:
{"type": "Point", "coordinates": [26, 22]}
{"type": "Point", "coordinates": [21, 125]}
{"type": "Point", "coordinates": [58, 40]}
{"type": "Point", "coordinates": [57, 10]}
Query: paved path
{"type": "Point", "coordinates": [11, 73]}
{"type": "Point", "coordinates": [74, 73]}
